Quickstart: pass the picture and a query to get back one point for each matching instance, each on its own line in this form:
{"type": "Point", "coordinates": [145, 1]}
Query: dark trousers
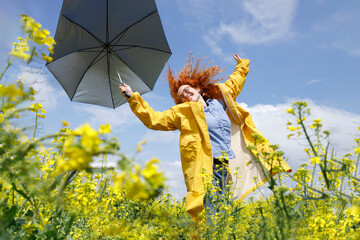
{"type": "Point", "coordinates": [215, 197]}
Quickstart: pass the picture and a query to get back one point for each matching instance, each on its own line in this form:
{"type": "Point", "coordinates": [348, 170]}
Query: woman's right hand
{"type": "Point", "coordinates": [125, 89]}
{"type": "Point", "coordinates": [236, 57]}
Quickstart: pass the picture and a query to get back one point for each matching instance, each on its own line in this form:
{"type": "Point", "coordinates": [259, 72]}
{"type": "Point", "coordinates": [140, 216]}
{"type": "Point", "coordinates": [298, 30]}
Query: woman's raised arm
{"type": "Point", "coordinates": [236, 81]}
{"type": "Point", "coordinates": [164, 121]}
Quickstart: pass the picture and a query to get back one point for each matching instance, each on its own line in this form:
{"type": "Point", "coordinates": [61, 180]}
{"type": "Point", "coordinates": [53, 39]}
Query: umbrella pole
{"type": "Point", "coordinates": [121, 81]}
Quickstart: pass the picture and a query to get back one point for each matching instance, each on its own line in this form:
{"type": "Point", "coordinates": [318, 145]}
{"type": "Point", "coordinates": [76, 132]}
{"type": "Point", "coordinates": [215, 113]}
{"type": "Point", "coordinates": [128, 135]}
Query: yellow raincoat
{"type": "Point", "coordinates": [195, 149]}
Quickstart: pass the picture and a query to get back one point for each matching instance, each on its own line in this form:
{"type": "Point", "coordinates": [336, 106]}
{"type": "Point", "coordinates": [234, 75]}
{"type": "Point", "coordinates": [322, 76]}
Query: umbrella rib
{"type": "Point", "coordinates": [96, 61]}
{"type": "Point", "coordinates": [123, 33]}
{"type": "Point", "coordinates": [90, 48]}
{"type": "Point", "coordinates": [85, 30]}
{"type": "Point", "coordinates": [108, 53]}
{"type": "Point", "coordinates": [90, 65]}
{"type": "Point", "coordinates": [133, 46]}
{"type": "Point", "coordinates": [125, 48]}
{"type": "Point", "coordinates": [81, 50]}
{"type": "Point", "coordinates": [85, 50]}
{"type": "Point", "coordinates": [133, 25]}
{"type": "Point", "coordinates": [107, 21]}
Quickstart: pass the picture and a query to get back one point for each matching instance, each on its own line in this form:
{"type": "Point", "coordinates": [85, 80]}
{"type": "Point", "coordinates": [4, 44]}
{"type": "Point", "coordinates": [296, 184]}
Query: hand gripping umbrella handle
{"type": "Point", "coordinates": [125, 93]}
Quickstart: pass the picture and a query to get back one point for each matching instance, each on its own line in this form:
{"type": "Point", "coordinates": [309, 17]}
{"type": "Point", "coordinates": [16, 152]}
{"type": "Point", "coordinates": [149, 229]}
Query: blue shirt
{"type": "Point", "coordinates": [219, 127]}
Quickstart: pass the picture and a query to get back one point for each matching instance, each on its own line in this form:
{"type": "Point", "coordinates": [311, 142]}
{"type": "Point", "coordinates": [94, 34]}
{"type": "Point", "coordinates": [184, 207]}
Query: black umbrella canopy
{"type": "Point", "coordinates": [97, 39]}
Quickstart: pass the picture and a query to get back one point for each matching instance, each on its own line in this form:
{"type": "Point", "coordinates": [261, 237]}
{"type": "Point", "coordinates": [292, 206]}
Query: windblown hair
{"type": "Point", "coordinates": [197, 76]}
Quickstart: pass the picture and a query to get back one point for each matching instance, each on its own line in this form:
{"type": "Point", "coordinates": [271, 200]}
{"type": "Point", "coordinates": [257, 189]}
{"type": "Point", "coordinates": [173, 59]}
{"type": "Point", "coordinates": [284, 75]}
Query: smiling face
{"type": "Point", "coordinates": [189, 94]}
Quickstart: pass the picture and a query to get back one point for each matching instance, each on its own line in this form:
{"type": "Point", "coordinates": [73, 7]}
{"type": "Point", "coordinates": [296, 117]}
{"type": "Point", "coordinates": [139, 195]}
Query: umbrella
{"type": "Point", "coordinates": [102, 43]}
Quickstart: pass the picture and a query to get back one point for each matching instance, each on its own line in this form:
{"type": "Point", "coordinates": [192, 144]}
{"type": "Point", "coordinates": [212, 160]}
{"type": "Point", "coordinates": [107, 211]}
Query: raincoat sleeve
{"type": "Point", "coordinates": [164, 121]}
{"type": "Point", "coordinates": [236, 81]}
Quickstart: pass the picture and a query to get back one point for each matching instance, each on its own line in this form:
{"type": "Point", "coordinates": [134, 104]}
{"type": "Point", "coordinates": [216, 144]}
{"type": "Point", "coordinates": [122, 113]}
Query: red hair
{"type": "Point", "coordinates": [202, 77]}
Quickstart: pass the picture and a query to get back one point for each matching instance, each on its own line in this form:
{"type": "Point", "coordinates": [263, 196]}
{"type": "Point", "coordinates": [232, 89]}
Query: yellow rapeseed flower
{"type": "Point", "coordinates": [354, 210]}
{"type": "Point", "coordinates": [357, 150]}
{"type": "Point", "coordinates": [21, 49]}
{"type": "Point", "coordinates": [106, 128]}
{"type": "Point", "coordinates": [139, 146]}
{"type": "Point", "coordinates": [315, 160]}
{"type": "Point", "coordinates": [150, 170]}
{"type": "Point", "coordinates": [290, 111]}
{"type": "Point", "coordinates": [36, 107]}
{"type": "Point", "coordinates": [89, 137]}
{"type": "Point", "coordinates": [318, 120]}
{"type": "Point", "coordinates": [46, 58]}
{"type": "Point", "coordinates": [11, 91]}
{"type": "Point", "coordinates": [292, 128]}
{"type": "Point", "coordinates": [65, 123]}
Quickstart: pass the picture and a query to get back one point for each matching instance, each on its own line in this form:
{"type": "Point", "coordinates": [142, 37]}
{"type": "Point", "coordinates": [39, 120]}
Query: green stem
{"type": "Point", "coordinates": [313, 148]}
{"type": "Point", "coordinates": [306, 134]}
{"type": "Point", "coordinates": [66, 182]}
{"type": "Point", "coordinates": [31, 55]}
{"type": "Point", "coordinates": [36, 124]}
{"type": "Point", "coordinates": [62, 188]}
{"type": "Point", "coordinates": [357, 164]}
{"type": "Point", "coordinates": [284, 206]}
{"type": "Point", "coordinates": [6, 68]}
{"type": "Point", "coordinates": [13, 197]}
{"type": "Point", "coordinates": [313, 175]}
{"type": "Point", "coordinates": [341, 185]}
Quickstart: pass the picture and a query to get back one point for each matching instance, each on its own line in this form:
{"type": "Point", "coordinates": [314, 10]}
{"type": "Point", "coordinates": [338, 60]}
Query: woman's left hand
{"type": "Point", "coordinates": [236, 57]}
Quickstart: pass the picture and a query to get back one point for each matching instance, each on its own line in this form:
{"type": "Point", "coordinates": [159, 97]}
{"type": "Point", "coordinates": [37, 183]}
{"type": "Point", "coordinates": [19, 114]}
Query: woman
{"type": "Point", "coordinates": [211, 123]}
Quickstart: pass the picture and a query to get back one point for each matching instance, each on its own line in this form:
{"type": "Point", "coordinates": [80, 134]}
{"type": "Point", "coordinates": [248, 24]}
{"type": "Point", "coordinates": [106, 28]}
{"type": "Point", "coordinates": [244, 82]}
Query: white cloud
{"type": "Point", "coordinates": [217, 50]}
{"type": "Point", "coordinates": [202, 13]}
{"type": "Point", "coordinates": [269, 21]}
{"type": "Point", "coordinates": [174, 178]}
{"type": "Point", "coordinates": [312, 81]}
{"type": "Point", "coordinates": [242, 22]}
{"type": "Point", "coordinates": [351, 47]}
{"type": "Point", "coordinates": [271, 121]}
{"type": "Point", "coordinates": [46, 94]}
{"type": "Point", "coordinates": [151, 96]}
{"type": "Point", "coordinates": [162, 136]}
{"type": "Point", "coordinates": [262, 22]}
{"type": "Point", "coordinates": [119, 118]}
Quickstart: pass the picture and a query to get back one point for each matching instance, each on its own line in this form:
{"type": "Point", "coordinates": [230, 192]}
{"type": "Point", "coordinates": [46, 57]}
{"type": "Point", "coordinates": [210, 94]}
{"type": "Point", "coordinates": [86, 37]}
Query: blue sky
{"type": "Point", "coordinates": [299, 50]}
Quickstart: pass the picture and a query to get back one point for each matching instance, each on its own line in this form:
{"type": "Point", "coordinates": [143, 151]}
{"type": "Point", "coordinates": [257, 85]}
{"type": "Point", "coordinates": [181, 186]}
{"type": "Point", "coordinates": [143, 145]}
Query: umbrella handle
{"type": "Point", "coordinates": [126, 94]}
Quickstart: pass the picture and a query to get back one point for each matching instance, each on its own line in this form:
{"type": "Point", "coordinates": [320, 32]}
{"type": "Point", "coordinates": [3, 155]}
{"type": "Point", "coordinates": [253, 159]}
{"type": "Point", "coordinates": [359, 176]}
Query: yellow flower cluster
{"type": "Point", "coordinates": [11, 91]}
{"type": "Point", "coordinates": [136, 188]}
{"type": "Point", "coordinates": [21, 49]}
{"type": "Point", "coordinates": [140, 146]}
{"type": "Point", "coordinates": [315, 160]}
{"type": "Point", "coordinates": [38, 108]}
{"type": "Point", "coordinates": [79, 148]}
{"type": "Point", "coordinates": [24, 49]}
